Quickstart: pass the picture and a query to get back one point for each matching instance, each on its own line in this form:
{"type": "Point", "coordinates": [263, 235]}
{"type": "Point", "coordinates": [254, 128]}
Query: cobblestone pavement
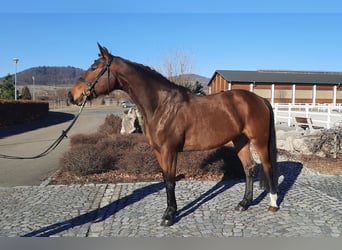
{"type": "Point", "coordinates": [310, 205]}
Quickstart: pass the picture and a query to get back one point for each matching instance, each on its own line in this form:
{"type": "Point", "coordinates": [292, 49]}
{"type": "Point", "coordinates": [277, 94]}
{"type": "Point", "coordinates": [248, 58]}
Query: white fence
{"type": "Point", "coordinates": [325, 115]}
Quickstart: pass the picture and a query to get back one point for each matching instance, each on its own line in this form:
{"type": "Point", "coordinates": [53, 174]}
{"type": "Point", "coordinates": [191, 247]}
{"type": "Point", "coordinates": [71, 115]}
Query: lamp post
{"type": "Point", "coordinates": [33, 81]}
{"type": "Point", "coordinates": [15, 60]}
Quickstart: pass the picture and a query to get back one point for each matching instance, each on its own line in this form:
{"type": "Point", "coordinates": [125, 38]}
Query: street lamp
{"type": "Point", "coordinates": [15, 60]}
{"type": "Point", "coordinates": [33, 81]}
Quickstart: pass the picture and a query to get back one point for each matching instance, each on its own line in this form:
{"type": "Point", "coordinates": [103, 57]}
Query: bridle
{"type": "Point", "coordinates": [92, 84]}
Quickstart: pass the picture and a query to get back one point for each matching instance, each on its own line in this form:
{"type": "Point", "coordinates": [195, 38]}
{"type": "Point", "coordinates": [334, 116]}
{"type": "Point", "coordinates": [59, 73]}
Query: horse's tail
{"type": "Point", "coordinates": [271, 184]}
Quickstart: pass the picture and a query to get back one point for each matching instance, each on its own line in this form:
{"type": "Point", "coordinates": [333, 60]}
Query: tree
{"type": "Point", "coordinates": [178, 67]}
{"type": "Point", "coordinates": [26, 94]}
{"type": "Point", "coordinates": [196, 88]}
{"type": "Point", "coordinates": [7, 88]}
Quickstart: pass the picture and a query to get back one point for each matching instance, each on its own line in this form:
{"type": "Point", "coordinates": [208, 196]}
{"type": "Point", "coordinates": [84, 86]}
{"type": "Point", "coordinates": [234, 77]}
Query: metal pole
{"type": "Point", "coordinates": [33, 94]}
{"type": "Point", "coordinates": [15, 60]}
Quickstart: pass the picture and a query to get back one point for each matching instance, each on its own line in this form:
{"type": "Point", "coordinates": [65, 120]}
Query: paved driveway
{"type": "Point", "coordinates": [32, 139]}
{"type": "Point", "coordinates": [310, 206]}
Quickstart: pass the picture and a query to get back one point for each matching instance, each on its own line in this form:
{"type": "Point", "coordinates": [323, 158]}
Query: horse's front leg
{"type": "Point", "coordinates": [168, 216]}
{"type": "Point", "coordinates": [168, 162]}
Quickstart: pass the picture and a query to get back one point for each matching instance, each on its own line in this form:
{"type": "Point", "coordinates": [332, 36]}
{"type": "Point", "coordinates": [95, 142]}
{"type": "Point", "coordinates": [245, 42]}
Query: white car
{"type": "Point", "coordinates": [127, 104]}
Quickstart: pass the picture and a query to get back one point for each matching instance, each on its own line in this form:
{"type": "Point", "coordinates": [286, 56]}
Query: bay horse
{"type": "Point", "coordinates": [176, 120]}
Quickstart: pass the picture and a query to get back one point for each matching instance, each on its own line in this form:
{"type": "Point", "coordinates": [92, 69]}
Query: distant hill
{"type": "Point", "coordinates": [191, 78]}
{"type": "Point", "coordinates": [66, 76]}
{"type": "Point", "coordinates": [197, 78]}
{"type": "Point", "coordinates": [50, 76]}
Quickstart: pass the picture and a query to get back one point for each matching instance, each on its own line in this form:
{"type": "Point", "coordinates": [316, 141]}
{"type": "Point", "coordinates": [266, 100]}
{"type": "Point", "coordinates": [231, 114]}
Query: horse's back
{"type": "Point", "coordinates": [237, 105]}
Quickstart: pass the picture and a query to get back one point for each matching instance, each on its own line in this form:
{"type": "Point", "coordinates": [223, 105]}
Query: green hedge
{"type": "Point", "coordinates": [13, 112]}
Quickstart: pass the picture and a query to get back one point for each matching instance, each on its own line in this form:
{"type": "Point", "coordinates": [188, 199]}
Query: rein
{"type": "Point", "coordinates": [64, 133]}
{"type": "Point", "coordinates": [53, 145]}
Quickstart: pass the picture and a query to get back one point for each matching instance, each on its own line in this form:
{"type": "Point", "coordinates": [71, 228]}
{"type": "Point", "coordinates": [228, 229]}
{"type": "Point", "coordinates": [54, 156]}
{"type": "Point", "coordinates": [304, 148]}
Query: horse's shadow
{"type": "Point", "coordinates": [289, 170]}
{"type": "Point", "coordinates": [99, 214]}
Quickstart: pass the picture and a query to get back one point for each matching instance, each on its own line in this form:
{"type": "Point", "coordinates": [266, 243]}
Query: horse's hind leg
{"type": "Point", "coordinates": [268, 176]}
{"type": "Point", "coordinates": [243, 146]}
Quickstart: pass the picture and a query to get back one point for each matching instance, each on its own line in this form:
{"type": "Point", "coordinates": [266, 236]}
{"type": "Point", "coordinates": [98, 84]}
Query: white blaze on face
{"type": "Point", "coordinates": [273, 200]}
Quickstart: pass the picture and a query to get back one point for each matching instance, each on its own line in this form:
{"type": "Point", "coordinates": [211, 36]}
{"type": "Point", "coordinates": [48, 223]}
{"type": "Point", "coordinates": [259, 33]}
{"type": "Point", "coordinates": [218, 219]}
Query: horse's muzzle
{"type": "Point", "coordinates": [71, 98]}
{"type": "Point", "coordinates": [77, 101]}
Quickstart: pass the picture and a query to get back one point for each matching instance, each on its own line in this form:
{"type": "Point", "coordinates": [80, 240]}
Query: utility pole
{"type": "Point", "coordinates": [33, 94]}
{"type": "Point", "coordinates": [15, 60]}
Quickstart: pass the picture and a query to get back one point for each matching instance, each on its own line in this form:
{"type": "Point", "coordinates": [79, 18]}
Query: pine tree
{"type": "Point", "coordinates": [7, 88]}
{"type": "Point", "coordinates": [26, 94]}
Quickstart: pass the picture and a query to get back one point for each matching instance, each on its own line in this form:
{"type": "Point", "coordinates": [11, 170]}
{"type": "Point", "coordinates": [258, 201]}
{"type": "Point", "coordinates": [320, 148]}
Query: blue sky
{"type": "Point", "coordinates": [217, 34]}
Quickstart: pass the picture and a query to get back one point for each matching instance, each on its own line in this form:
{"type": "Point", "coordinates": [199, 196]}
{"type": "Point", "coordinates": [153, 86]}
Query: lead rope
{"type": "Point", "coordinates": [53, 145]}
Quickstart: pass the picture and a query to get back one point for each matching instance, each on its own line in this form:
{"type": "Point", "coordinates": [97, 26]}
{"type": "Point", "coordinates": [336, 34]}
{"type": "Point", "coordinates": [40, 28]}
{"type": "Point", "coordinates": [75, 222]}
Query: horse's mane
{"type": "Point", "coordinates": [154, 74]}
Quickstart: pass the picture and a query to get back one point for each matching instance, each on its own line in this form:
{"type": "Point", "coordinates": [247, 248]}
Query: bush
{"type": "Point", "coordinates": [84, 139]}
{"type": "Point", "coordinates": [88, 159]}
{"type": "Point", "coordinates": [222, 161]}
{"type": "Point", "coordinates": [131, 155]}
{"type": "Point", "coordinates": [139, 157]}
{"type": "Point", "coordinates": [111, 125]}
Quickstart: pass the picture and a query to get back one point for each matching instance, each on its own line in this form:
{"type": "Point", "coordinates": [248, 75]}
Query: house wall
{"type": "Point", "coordinates": [304, 93]}
{"type": "Point", "coordinates": [219, 84]}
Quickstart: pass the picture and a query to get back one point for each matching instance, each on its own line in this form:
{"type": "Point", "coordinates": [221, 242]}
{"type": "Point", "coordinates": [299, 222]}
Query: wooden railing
{"type": "Point", "coordinates": [325, 115]}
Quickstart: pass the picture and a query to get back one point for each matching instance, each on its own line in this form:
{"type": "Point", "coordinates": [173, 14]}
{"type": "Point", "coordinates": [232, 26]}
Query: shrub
{"type": "Point", "coordinates": [222, 161]}
{"type": "Point", "coordinates": [139, 158]}
{"type": "Point", "coordinates": [107, 150]}
{"type": "Point", "coordinates": [88, 159]}
{"type": "Point", "coordinates": [111, 125]}
{"type": "Point", "coordinates": [84, 139]}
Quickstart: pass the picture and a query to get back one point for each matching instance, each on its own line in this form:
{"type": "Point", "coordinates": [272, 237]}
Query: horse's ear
{"type": "Point", "coordinates": [99, 45]}
{"type": "Point", "coordinates": [103, 51]}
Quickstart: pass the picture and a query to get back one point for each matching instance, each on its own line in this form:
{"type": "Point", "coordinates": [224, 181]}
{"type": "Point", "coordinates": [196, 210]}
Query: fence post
{"type": "Point", "coordinates": [275, 112]}
{"type": "Point", "coordinates": [329, 115]}
{"type": "Point", "coordinates": [307, 110]}
{"type": "Point", "coordinates": [289, 115]}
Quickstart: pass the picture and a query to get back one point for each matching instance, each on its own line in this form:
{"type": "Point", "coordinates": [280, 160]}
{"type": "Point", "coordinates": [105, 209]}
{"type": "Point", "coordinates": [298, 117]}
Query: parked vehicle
{"type": "Point", "coordinates": [127, 104]}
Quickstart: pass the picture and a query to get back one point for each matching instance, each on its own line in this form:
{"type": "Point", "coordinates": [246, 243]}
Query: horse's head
{"type": "Point", "coordinates": [97, 80]}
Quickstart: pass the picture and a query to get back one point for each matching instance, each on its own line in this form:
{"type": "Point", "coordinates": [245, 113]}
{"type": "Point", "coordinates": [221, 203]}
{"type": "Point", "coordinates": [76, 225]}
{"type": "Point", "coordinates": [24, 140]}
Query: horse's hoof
{"type": "Point", "coordinates": [166, 223]}
{"type": "Point", "coordinates": [243, 205]}
{"type": "Point", "coordinates": [272, 209]}
{"type": "Point", "coordinates": [240, 208]}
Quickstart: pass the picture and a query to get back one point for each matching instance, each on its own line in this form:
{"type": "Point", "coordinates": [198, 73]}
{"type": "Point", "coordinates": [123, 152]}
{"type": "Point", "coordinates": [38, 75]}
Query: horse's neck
{"type": "Point", "coordinates": [144, 94]}
{"type": "Point", "coordinates": [146, 88]}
